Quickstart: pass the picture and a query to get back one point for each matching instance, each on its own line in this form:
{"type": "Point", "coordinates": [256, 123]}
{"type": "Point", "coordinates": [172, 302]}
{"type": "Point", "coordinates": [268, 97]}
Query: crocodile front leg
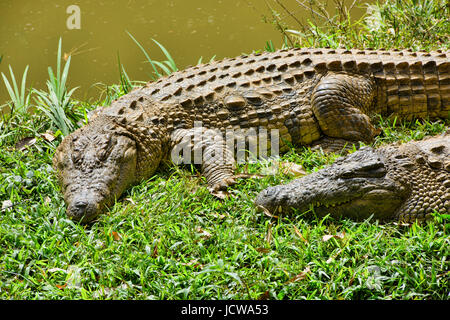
{"type": "Point", "coordinates": [340, 103]}
{"type": "Point", "coordinates": [207, 148]}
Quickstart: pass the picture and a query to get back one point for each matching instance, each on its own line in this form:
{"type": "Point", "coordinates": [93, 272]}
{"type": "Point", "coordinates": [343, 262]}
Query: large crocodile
{"type": "Point", "coordinates": [406, 183]}
{"type": "Point", "coordinates": [311, 96]}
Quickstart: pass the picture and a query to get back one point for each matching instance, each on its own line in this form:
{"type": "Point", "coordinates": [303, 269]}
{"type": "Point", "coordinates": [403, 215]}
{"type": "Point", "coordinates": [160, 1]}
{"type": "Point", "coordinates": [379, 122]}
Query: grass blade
{"type": "Point", "coordinates": [62, 84]}
{"type": "Point", "coordinates": [163, 67]}
{"type": "Point", "coordinates": [8, 87]}
{"type": "Point", "coordinates": [58, 61]}
{"type": "Point", "coordinates": [172, 64]}
{"type": "Point", "coordinates": [52, 77]}
{"type": "Point", "coordinates": [13, 81]}
{"type": "Point", "coordinates": [22, 88]}
{"type": "Point", "coordinates": [146, 55]}
{"type": "Point", "coordinates": [124, 79]}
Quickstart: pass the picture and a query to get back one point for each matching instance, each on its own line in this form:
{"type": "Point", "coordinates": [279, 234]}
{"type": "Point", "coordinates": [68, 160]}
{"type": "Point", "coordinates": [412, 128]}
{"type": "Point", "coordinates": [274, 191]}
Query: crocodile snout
{"type": "Point", "coordinates": [83, 209]}
{"type": "Point", "coordinates": [267, 198]}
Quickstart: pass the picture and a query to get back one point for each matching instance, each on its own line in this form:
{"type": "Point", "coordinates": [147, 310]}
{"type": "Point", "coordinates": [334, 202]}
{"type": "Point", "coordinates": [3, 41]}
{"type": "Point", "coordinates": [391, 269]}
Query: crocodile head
{"type": "Point", "coordinates": [356, 186]}
{"type": "Point", "coordinates": [406, 182]}
{"type": "Point", "coordinates": [96, 164]}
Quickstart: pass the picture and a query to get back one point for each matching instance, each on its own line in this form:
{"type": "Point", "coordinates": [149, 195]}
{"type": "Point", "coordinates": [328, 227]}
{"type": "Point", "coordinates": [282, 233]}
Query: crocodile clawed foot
{"type": "Point", "coordinates": [335, 145]}
{"type": "Point", "coordinates": [219, 190]}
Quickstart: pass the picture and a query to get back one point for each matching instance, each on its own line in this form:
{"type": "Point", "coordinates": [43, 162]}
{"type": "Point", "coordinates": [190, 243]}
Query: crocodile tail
{"type": "Point", "coordinates": [415, 85]}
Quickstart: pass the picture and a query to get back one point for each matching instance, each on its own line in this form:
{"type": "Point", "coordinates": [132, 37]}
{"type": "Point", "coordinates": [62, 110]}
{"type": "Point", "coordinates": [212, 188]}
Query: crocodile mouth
{"type": "Point", "coordinates": [374, 201]}
{"type": "Point", "coordinates": [83, 211]}
{"type": "Point", "coordinates": [86, 204]}
{"type": "Point", "coordinates": [376, 194]}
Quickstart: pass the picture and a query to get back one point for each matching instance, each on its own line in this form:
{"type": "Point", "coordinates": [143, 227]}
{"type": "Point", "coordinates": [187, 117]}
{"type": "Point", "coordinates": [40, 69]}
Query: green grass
{"type": "Point", "coordinates": [414, 24]}
{"type": "Point", "coordinates": [168, 238]}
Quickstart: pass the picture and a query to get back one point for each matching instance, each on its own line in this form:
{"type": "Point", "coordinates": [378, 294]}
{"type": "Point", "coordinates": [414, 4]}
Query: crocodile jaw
{"type": "Point", "coordinates": [339, 201]}
{"type": "Point", "coordinates": [357, 188]}
{"type": "Point", "coordinates": [376, 201]}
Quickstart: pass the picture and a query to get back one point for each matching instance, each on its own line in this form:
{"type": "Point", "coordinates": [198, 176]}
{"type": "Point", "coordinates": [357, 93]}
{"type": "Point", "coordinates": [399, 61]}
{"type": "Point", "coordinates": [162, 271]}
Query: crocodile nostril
{"type": "Point", "coordinates": [81, 205]}
{"type": "Point", "coordinates": [78, 209]}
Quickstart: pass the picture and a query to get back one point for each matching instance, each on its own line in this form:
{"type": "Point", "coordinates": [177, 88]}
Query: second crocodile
{"type": "Point", "coordinates": [405, 183]}
{"type": "Point", "coordinates": [310, 96]}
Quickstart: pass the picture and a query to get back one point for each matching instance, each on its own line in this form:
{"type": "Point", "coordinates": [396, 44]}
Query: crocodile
{"type": "Point", "coordinates": [406, 183]}
{"type": "Point", "coordinates": [318, 97]}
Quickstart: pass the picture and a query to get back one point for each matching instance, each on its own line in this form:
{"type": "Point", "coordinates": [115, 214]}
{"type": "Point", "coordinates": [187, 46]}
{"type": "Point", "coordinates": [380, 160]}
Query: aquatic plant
{"type": "Point", "coordinates": [125, 81]}
{"type": "Point", "coordinates": [19, 99]}
{"type": "Point", "coordinates": [14, 123]}
{"type": "Point", "coordinates": [56, 102]}
{"type": "Point", "coordinates": [167, 67]}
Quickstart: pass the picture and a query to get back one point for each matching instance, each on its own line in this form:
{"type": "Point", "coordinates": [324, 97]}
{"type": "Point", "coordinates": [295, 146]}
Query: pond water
{"type": "Point", "coordinates": [94, 32]}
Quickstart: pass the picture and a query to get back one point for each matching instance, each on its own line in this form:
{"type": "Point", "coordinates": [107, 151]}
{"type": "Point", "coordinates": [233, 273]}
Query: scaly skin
{"type": "Point", "coordinates": [404, 183]}
{"type": "Point", "coordinates": [312, 96]}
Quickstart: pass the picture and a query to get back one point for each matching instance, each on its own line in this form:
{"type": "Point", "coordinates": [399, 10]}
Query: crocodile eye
{"type": "Point", "coordinates": [374, 166]}
{"type": "Point", "coordinates": [75, 159]}
{"type": "Point", "coordinates": [104, 152]}
{"type": "Point", "coordinates": [104, 148]}
{"type": "Point", "coordinates": [102, 155]}
{"type": "Point", "coordinates": [369, 170]}
{"type": "Point", "coordinates": [76, 155]}
{"type": "Point", "coordinates": [77, 150]}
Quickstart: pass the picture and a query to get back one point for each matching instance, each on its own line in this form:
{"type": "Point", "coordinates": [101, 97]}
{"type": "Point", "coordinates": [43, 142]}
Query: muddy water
{"type": "Point", "coordinates": [94, 31]}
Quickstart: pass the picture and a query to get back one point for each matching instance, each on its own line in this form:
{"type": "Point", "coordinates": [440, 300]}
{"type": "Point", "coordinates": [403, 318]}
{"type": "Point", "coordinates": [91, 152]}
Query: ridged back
{"type": "Point", "coordinates": [274, 89]}
{"type": "Point", "coordinates": [410, 82]}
